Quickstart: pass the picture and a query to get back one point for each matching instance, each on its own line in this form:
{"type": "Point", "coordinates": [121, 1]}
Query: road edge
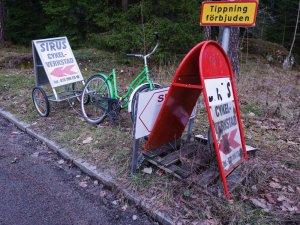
{"type": "Point", "coordinates": [88, 168]}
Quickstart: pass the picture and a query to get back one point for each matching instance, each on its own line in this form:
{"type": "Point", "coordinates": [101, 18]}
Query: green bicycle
{"type": "Point", "coordinates": [100, 96]}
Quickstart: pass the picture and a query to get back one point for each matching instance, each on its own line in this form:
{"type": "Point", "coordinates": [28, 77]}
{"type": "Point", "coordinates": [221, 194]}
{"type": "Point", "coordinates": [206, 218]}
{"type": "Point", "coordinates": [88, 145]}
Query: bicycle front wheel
{"type": "Point", "coordinates": [94, 110]}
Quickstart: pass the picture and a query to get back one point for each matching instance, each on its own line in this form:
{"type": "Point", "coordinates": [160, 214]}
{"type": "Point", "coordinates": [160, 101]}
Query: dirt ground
{"type": "Point", "coordinates": [270, 104]}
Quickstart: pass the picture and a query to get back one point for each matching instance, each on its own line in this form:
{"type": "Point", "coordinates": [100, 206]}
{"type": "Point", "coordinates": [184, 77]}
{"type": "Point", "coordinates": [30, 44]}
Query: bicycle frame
{"type": "Point", "coordinates": [143, 77]}
{"type": "Point", "coordinates": [111, 80]}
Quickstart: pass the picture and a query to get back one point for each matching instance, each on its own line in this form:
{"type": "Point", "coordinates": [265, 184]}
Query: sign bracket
{"type": "Point", "coordinates": [226, 38]}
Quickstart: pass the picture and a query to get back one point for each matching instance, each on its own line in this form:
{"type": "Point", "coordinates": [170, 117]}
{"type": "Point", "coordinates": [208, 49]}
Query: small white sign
{"type": "Point", "coordinates": [58, 61]}
{"type": "Point", "coordinates": [218, 90]}
{"type": "Point", "coordinates": [149, 105]}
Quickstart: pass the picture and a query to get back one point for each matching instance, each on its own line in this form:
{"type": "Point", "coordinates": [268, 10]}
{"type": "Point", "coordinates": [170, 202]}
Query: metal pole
{"type": "Point", "coordinates": [190, 129]}
{"type": "Point", "coordinates": [226, 38]}
{"type": "Point", "coordinates": [135, 142]}
{"type": "Point", "coordinates": [191, 123]}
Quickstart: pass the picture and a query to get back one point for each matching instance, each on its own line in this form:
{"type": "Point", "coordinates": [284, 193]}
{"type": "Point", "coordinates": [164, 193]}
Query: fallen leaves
{"type": "Point", "coordinates": [88, 140]}
{"type": "Point", "coordinates": [103, 194]}
{"type": "Point", "coordinates": [275, 179]}
{"type": "Point", "coordinates": [262, 203]}
{"type": "Point", "coordinates": [269, 198]}
{"type": "Point", "coordinates": [282, 198]}
{"type": "Point", "coordinates": [115, 202]}
{"type": "Point", "coordinates": [124, 207]}
{"type": "Point", "coordinates": [268, 202]}
{"type": "Point", "coordinates": [287, 204]}
{"type": "Point", "coordinates": [159, 172]}
{"type": "Point", "coordinates": [35, 155]}
{"type": "Point", "coordinates": [290, 189]}
{"type": "Point", "coordinates": [15, 160]}
{"type": "Point", "coordinates": [148, 170]}
{"type": "Point", "coordinates": [134, 217]}
{"type": "Point", "coordinates": [275, 185]}
{"type": "Point", "coordinates": [83, 184]}
{"type": "Point", "coordinates": [61, 161]}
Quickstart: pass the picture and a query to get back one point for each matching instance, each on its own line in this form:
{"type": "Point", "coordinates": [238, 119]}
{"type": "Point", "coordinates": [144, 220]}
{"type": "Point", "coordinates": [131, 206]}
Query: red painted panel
{"type": "Point", "coordinates": [214, 62]}
{"type": "Point", "coordinates": [179, 103]}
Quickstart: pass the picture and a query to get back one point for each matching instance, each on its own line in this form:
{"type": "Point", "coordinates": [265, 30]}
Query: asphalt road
{"type": "Point", "coordinates": [38, 187]}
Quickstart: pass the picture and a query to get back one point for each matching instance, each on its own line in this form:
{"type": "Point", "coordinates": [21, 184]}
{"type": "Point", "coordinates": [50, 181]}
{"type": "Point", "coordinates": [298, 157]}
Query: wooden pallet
{"type": "Point", "coordinates": [175, 159]}
{"type": "Point", "coordinates": [205, 178]}
{"type": "Point", "coordinates": [180, 159]}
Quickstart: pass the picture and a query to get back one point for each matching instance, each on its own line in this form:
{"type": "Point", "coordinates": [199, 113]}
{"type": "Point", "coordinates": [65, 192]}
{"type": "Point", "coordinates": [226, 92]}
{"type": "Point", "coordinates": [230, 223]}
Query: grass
{"type": "Point", "coordinates": [274, 131]}
{"type": "Point", "coordinates": [252, 108]}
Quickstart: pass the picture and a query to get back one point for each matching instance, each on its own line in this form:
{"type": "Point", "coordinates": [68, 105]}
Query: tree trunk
{"type": "Point", "coordinates": [234, 51]}
{"type": "Point", "coordinates": [207, 30]}
{"type": "Point", "coordinates": [1, 21]}
{"type": "Point", "coordinates": [289, 61]}
{"type": "Point", "coordinates": [125, 5]}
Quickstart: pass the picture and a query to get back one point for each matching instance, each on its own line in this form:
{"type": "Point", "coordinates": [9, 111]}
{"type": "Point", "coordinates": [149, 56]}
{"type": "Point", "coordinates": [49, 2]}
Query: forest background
{"type": "Point", "coordinates": [126, 26]}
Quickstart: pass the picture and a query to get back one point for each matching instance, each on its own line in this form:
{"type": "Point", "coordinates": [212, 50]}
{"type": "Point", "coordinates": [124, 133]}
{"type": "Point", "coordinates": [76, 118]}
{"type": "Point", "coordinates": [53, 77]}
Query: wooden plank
{"type": "Point", "coordinates": [186, 167]}
{"type": "Point", "coordinates": [201, 138]}
{"type": "Point", "coordinates": [169, 147]}
{"type": "Point", "coordinates": [175, 156]}
{"type": "Point", "coordinates": [179, 171]}
{"type": "Point", "coordinates": [157, 152]}
{"type": "Point", "coordinates": [206, 178]}
{"type": "Point", "coordinates": [237, 176]}
{"type": "Point", "coordinates": [168, 170]}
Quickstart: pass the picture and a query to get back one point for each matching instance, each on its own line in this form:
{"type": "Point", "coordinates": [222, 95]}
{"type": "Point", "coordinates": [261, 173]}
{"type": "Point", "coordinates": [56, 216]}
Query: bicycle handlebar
{"type": "Point", "coordinates": [149, 54]}
{"type": "Point", "coordinates": [135, 55]}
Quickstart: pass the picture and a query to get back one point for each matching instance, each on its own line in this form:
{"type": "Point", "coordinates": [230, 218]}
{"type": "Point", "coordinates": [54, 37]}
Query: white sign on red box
{"type": "Point", "coordinates": [224, 116]}
{"type": "Point", "coordinates": [58, 61]}
{"type": "Point", "coordinates": [149, 105]}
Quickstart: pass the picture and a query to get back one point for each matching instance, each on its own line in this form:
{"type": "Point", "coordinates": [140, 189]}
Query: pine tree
{"type": "Point", "coordinates": [124, 5]}
{"type": "Point", "coordinates": [24, 21]}
{"type": "Point", "coordinates": [1, 21]}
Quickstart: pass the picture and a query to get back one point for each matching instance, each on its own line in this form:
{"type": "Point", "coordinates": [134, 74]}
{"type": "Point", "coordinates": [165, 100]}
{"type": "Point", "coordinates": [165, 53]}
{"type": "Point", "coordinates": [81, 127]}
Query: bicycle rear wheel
{"type": "Point", "coordinates": [95, 88]}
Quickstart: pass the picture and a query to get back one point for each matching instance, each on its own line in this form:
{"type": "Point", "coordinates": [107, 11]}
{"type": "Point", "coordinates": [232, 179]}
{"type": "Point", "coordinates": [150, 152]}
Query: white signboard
{"type": "Point", "coordinates": [222, 107]}
{"type": "Point", "coordinates": [58, 61]}
{"type": "Point", "coordinates": [149, 105]}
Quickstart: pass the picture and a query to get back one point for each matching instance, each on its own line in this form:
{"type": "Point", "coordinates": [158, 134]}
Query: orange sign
{"type": "Point", "coordinates": [228, 13]}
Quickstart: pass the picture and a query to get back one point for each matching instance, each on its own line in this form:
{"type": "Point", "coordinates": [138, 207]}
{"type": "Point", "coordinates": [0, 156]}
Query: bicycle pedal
{"type": "Point", "coordinates": [113, 116]}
